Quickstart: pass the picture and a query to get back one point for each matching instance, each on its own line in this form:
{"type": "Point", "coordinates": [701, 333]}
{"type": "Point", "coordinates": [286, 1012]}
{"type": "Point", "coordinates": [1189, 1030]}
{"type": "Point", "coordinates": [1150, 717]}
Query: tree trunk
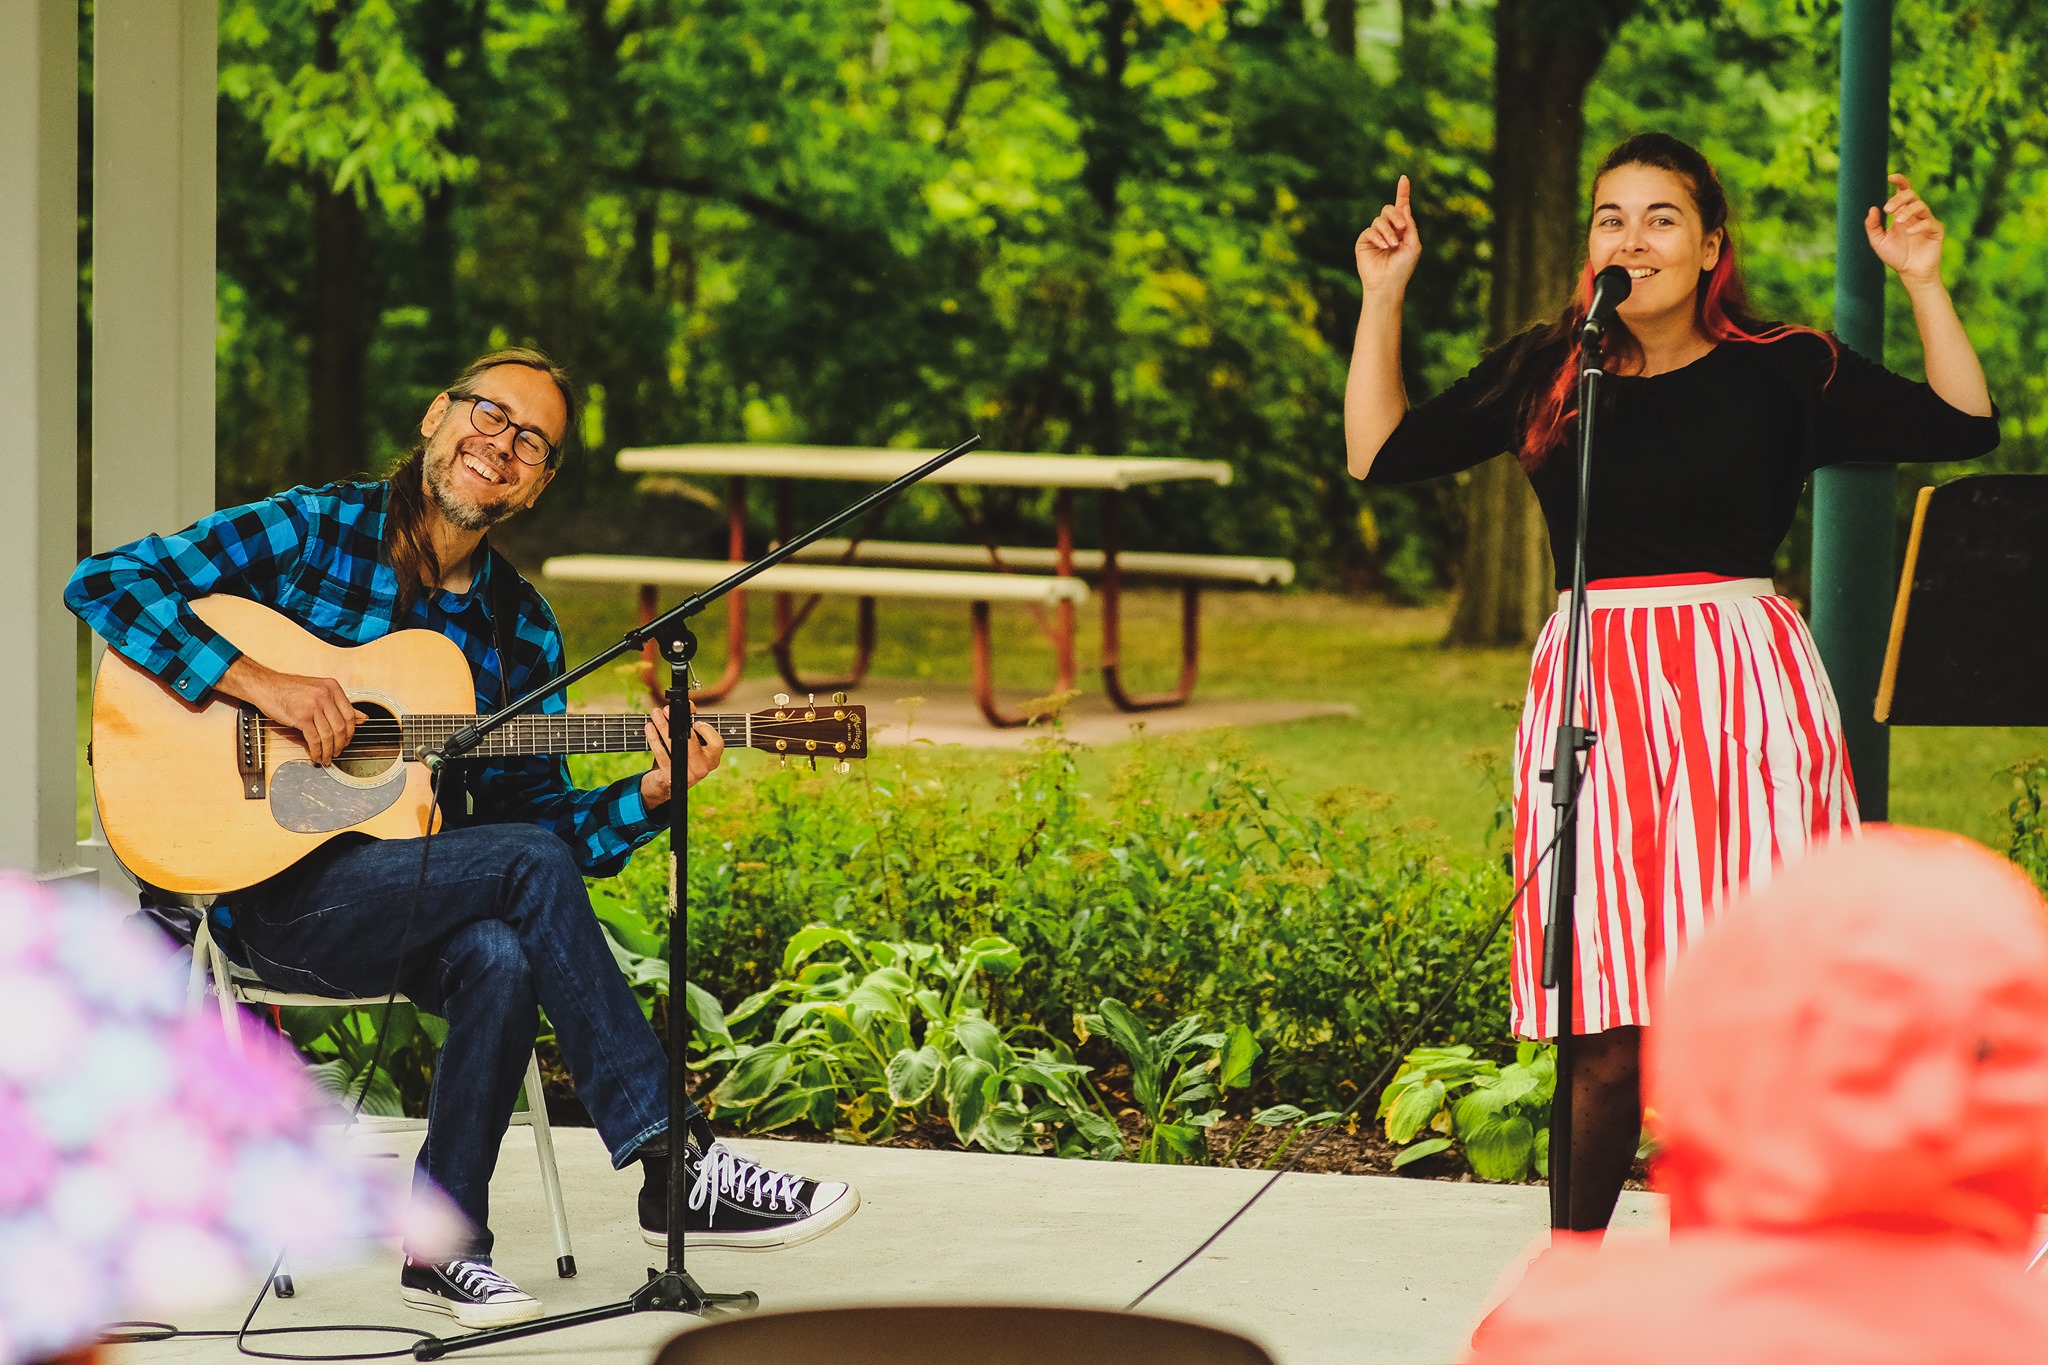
{"type": "Point", "coordinates": [1340, 17]}
{"type": "Point", "coordinates": [342, 318]}
{"type": "Point", "coordinates": [448, 29]}
{"type": "Point", "coordinates": [1106, 151]}
{"type": "Point", "coordinates": [1545, 54]}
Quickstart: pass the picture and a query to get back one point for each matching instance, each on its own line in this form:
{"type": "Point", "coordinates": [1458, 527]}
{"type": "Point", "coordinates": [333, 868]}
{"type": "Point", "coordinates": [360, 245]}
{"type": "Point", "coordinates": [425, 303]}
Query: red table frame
{"type": "Point", "coordinates": [789, 618]}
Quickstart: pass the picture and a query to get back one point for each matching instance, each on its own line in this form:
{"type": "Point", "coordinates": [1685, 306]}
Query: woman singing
{"type": "Point", "coordinates": [1720, 747]}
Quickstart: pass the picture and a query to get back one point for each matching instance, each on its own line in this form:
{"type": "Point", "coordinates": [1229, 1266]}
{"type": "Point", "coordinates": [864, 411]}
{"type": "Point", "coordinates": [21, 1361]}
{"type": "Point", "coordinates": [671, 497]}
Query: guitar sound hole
{"type": "Point", "coordinates": [376, 745]}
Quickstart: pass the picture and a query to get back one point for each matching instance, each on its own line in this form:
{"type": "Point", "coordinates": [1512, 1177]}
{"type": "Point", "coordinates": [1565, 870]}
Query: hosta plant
{"type": "Point", "coordinates": [1498, 1115]}
{"type": "Point", "coordinates": [861, 1038]}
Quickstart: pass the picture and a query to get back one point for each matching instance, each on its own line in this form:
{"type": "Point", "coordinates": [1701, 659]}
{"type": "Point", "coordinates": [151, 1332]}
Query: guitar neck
{"type": "Point", "coordinates": [575, 733]}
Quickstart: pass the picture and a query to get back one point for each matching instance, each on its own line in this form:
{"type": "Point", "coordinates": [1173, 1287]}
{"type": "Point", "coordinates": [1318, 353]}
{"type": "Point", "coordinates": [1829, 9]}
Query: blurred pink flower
{"type": "Point", "coordinates": [28, 1160]}
{"type": "Point", "coordinates": [146, 1168]}
{"type": "Point", "coordinates": [264, 1090]}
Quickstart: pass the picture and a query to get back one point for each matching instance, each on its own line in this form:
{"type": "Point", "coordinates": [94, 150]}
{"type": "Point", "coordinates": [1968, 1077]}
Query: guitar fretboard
{"type": "Point", "coordinates": [566, 734]}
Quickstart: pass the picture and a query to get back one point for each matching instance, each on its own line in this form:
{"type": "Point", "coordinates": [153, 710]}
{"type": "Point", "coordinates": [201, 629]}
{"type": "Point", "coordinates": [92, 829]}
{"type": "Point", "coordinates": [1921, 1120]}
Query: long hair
{"type": "Point", "coordinates": [1720, 305]}
{"type": "Point", "coordinates": [410, 551]}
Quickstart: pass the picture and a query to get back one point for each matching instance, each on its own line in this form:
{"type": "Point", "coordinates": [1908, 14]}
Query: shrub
{"type": "Point", "coordinates": [1499, 1116]}
{"type": "Point", "coordinates": [1191, 885]}
{"type": "Point", "coordinates": [2027, 843]}
{"type": "Point", "coordinates": [887, 1034]}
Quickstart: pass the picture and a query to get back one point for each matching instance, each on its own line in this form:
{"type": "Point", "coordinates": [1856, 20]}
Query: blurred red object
{"type": "Point", "coordinates": [1850, 1075]}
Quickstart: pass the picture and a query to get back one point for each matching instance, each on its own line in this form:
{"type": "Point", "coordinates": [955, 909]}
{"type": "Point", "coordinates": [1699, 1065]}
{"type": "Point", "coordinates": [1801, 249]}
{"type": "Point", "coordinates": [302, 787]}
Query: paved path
{"type": "Point", "coordinates": [944, 713]}
{"type": "Point", "coordinates": [1326, 1269]}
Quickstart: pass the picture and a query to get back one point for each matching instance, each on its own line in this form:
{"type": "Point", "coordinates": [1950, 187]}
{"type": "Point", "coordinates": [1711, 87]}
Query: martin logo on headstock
{"type": "Point", "coordinates": [840, 732]}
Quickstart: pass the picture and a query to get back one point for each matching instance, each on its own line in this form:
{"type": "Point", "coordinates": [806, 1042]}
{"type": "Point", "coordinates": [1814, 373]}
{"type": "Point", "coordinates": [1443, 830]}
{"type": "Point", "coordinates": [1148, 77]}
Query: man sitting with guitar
{"type": "Point", "coordinates": [494, 922]}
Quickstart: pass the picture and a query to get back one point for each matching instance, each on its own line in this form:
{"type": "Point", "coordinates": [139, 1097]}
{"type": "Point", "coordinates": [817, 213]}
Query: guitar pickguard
{"type": "Point", "coordinates": [306, 799]}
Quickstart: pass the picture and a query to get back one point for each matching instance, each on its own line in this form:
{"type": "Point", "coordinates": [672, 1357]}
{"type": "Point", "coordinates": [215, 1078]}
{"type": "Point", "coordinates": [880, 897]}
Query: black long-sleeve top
{"type": "Point", "coordinates": [1698, 469]}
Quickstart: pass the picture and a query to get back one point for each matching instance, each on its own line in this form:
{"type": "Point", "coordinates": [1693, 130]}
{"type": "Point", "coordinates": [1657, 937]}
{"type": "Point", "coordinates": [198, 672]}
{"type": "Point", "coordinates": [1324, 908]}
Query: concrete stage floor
{"type": "Point", "coordinates": [1326, 1269]}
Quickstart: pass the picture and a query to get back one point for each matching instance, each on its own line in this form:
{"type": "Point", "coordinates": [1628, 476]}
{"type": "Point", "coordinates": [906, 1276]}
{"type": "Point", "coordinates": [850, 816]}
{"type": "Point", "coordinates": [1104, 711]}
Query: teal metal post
{"type": "Point", "coordinates": [1854, 573]}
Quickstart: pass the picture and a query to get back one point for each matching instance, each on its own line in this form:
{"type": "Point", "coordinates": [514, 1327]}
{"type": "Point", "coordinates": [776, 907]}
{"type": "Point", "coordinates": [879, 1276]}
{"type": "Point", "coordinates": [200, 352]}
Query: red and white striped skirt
{"type": "Point", "coordinates": [1720, 755]}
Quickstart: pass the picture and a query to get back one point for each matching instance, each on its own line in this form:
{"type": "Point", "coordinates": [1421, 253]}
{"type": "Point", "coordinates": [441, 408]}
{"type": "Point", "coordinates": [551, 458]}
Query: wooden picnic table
{"type": "Point", "coordinates": [858, 465]}
{"type": "Point", "coordinates": [1108, 476]}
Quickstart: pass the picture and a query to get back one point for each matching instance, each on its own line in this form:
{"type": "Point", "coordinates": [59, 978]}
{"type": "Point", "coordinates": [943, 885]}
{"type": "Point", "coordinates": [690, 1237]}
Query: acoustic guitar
{"type": "Point", "coordinates": [205, 800]}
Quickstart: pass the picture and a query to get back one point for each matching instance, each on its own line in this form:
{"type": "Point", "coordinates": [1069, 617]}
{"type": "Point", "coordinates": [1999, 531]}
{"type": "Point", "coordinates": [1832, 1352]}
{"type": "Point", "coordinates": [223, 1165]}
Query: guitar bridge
{"type": "Point", "coordinates": [249, 750]}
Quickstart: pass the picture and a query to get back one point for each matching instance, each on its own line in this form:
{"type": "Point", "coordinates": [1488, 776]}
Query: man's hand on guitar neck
{"type": "Point", "coordinates": [706, 749]}
{"type": "Point", "coordinates": [316, 707]}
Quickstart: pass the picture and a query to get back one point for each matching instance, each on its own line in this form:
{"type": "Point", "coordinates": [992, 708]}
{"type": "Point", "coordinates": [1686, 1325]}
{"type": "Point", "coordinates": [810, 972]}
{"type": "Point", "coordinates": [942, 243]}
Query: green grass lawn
{"type": "Point", "coordinates": [1433, 730]}
{"type": "Point", "coordinates": [1434, 727]}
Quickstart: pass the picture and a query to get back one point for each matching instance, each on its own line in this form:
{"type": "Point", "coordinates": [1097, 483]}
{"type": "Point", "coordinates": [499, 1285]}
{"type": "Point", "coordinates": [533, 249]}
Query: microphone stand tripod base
{"type": "Point", "coordinates": [666, 1291]}
{"type": "Point", "coordinates": [675, 1291]}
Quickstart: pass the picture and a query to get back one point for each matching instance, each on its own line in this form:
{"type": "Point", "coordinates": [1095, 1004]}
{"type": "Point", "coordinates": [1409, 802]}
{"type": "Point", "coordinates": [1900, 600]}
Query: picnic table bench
{"type": "Point", "coordinates": [976, 574]}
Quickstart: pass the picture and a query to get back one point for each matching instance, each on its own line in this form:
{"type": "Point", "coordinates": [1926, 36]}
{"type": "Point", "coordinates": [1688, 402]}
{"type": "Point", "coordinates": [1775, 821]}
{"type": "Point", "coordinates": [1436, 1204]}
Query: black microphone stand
{"type": "Point", "coordinates": [1560, 954]}
{"type": "Point", "coordinates": [672, 1290]}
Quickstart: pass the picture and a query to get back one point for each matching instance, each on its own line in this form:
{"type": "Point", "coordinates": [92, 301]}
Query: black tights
{"type": "Point", "coordinates": [1607, 1121]}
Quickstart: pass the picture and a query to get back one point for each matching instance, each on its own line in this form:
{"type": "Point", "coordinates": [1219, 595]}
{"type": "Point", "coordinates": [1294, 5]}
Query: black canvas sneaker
{"type": "Point", "coordinates": [739, 1204]}
{"type": "Point", "coordinates": [469, 1291]}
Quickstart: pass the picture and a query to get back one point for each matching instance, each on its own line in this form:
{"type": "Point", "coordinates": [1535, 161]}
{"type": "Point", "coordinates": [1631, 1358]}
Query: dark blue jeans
{"type": "Point", "coordinates": [503, 925]}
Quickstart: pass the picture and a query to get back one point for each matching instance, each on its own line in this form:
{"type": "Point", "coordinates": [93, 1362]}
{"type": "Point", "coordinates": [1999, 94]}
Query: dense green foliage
{"type": "Point", "coordinates": [2028, 819]}
{"type": "Point", "coordinates": [1190, 886]}
{"type": "Point", "coordinates": [1108, 225]}
{"type": "Point", "coordinates": [879, 1035]}
{"type": "Point", "coordinates": [1498, 1117]}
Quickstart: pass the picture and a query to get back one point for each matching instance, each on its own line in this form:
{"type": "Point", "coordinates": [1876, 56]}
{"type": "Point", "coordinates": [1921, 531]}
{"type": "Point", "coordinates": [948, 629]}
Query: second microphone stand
{"type": "Point", "coordinates": [1560, 951]}
{"type": "Point", "coordinates": [671, 1290]}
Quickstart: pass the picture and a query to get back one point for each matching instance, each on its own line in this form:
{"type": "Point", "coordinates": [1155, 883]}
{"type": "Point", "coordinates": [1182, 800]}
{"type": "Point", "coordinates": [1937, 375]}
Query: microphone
{"type": "Point", "coordinates": [1610, 287]}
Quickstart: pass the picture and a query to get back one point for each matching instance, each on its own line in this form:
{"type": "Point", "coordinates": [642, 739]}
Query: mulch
{"type": "Point", "coordinates": [1355, 1148]}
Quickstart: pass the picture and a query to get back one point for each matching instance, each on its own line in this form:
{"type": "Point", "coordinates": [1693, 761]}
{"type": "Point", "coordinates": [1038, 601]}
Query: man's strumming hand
{"type": "Point", "coordinates": [317, 708]}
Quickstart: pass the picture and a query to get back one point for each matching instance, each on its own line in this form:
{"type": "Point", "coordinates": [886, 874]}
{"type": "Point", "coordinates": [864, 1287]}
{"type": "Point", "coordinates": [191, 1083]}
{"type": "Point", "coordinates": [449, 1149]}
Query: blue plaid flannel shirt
{"type": "Point", "coordinates": [316, 554]}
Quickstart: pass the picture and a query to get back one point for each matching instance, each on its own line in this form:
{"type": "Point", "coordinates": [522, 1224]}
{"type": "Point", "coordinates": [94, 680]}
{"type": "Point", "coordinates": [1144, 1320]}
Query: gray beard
{"type": "Point", "coordinates": [464, 516]}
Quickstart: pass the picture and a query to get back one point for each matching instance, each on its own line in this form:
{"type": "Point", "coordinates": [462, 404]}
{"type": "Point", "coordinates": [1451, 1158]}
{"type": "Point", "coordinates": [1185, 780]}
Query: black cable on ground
{"type": "Point", "coordinates": [114, 1333]}
{"type": "Point", "coordinates": [1372, 1088]}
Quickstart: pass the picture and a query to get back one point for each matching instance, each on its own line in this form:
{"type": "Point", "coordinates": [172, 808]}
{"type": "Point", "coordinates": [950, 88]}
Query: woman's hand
{"type": "Point", "coordinates": [1912, 247]}
{"type": "Point", "coordinates": [1912, 244]}
{"type": "Point", "coordinates": [1389, 248]}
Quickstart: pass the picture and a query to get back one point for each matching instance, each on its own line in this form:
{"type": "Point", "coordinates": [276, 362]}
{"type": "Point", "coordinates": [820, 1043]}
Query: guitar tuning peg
{"type": "Point", "coordinates": [782, 762]}
{"type": "Point", "coordinates": [839, 699]}
{"type": "Point", "coordinates": [814, 763]}
{"type": "Point", "coordinates": [782, 698]}
{"type": "Point", "coordinates": [842, 767]}
{"type": "Point", "coordinates": [814, 699]}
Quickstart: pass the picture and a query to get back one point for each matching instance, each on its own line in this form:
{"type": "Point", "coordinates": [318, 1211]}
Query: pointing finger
{"type": "Point", "coordinates": [1401, 193]}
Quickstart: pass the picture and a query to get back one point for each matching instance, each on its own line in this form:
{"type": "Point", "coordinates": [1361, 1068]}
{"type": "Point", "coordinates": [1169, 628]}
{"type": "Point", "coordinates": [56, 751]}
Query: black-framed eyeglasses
{"type": "Point", "coordinates": [491, 420]}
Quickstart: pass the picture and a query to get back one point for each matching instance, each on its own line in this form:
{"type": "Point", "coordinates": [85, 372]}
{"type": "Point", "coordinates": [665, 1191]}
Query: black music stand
{"type": "Point", "coordinates": [1969, 641]}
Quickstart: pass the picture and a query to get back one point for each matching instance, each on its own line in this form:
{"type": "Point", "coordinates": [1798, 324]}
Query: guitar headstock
{"type": "Point", "coordinates": [832, 731]}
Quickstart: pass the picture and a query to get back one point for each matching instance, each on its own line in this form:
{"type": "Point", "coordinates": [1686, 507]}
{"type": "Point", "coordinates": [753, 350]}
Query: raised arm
{"type": "Point", "coordinates": [1375, 399]}
{"type": "Point", "coordinates": [1912, 247]}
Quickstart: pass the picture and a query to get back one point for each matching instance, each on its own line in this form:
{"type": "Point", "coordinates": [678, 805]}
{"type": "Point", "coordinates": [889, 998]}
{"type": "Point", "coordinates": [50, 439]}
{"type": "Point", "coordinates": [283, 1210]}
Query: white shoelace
{"type": "Point", "coordinates": [725, 1174]}
{"type": "Point", "coordinates": [481, 1282]}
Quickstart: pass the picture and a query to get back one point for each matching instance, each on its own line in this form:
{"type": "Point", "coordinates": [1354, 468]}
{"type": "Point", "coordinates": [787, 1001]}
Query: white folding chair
{"type": "Point", "coordinates": [232, 984]}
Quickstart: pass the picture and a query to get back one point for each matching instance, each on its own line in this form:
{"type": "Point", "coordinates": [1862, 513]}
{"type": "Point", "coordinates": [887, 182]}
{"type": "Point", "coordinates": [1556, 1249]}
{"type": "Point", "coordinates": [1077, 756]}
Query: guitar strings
{"type": "Point", "coordinates": [424, 725]}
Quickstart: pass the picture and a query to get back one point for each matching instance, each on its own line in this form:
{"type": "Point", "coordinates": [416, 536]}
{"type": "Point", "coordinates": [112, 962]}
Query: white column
{"type": "Point", "coordinates": [39, 419]}
{"type": "Point", "coordinates": [154, 77]}
{"type": "Point", "coordinates": [155, 68]}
